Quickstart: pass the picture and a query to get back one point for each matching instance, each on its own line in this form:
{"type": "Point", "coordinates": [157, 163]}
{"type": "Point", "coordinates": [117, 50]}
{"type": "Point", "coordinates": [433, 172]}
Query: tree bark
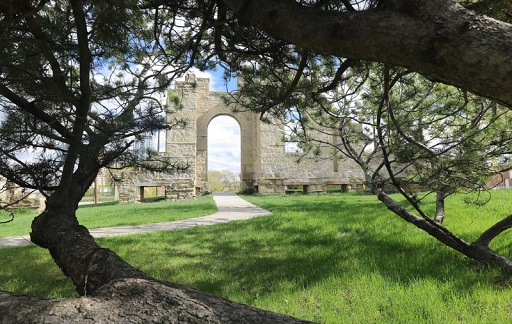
{"type": "Point", "coordinates": [440, 195]}
{"type": "Point", "coordinates": [495, 230]}
{"type": "Point", "coordinates": [438, 38]}
{"type": "Point", "coordinates": [76, 253]}
{"type": "Point", "coordinates": [135, 301]}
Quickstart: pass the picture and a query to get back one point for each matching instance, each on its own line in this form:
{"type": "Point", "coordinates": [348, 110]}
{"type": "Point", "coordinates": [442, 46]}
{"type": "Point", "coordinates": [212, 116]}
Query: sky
{"type": "Point", "coordinates": [224, 144]}
{"type": "Point", "coordinates": [223, 132]}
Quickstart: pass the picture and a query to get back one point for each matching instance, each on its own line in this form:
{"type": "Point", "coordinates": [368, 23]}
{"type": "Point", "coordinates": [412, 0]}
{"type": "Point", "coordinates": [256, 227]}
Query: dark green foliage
{"type": "Point", "coordinates": [79, 83]}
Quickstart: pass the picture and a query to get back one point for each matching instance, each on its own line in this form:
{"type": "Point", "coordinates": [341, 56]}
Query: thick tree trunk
{"type": "Point", "coordinates": [75, 251]}
{"type": "Point", "coordinates": [112, 290]}
{"type": "Point", "coordinates": [135, 301]}
{"type": "Point", "coordinates": [438, 38]}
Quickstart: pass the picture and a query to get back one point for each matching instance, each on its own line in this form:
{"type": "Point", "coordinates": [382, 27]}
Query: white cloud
{"type": "Point", "coordinates": [224, 144]}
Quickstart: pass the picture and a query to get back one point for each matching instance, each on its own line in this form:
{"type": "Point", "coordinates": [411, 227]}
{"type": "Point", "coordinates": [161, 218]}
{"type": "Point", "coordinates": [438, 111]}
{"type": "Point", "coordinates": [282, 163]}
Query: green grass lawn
{"type": "Point", "coordinates": [329, 258]}
{"type": "Point", "coordinates": [113, 214]}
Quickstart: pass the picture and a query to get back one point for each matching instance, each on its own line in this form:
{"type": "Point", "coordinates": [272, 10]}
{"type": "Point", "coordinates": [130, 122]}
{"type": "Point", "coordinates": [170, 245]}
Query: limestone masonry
{"type": "Point", "coordinates": [265, 166]}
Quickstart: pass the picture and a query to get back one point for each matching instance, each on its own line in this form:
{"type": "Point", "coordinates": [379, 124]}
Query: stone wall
{"type": "Point", "coordinates": [281, 169]}
{"type": "Point", "coordinates": [132, 183]}
{"type": "Point", "coordinates": [16, 197]}
{"type": "Point", "coordinates": [265, 166]}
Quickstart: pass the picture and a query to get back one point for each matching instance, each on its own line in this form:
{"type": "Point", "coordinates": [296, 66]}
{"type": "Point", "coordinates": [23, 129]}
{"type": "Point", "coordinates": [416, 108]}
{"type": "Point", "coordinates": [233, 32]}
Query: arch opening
{"type": "Point", "coordinates": [224, 154]}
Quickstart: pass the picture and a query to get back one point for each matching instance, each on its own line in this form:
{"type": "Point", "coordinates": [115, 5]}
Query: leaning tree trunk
{"type": "Point", "coordinates": [111, 289]}
{"type": "Point", "coordinates": [77, 254]}
{"type": "Point", "coordinates": [478, 250]}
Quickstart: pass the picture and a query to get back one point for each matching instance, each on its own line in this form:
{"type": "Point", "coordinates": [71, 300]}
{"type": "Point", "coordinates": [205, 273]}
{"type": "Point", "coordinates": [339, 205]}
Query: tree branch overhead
{"type": "Point", "coordinates": [440, 39]}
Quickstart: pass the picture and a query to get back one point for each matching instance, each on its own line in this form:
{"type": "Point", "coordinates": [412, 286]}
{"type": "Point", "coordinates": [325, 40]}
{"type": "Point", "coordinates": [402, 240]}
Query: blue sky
{"type": "Point", "coordinates": [223, 132]}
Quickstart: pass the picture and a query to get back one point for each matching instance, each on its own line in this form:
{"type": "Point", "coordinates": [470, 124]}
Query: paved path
{"type": "Point", "coordinates": [230, 207]}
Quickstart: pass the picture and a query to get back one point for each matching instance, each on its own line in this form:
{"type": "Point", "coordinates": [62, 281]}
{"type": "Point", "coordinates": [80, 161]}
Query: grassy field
{"type": "Point", "coordinates": [113, 214]}
{"type": "Point", "coordinates": [331, 259]}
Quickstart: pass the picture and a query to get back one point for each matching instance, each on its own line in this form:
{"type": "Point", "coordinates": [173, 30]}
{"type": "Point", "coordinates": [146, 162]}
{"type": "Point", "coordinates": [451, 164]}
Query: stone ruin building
{"type": "Point", "coordinates": [266, 167]}
{"type": "Point", "coordinates": [14, 197]}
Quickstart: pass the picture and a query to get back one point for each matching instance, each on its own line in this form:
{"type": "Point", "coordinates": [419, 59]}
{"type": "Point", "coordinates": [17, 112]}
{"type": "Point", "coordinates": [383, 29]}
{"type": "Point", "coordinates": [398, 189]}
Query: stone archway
{"type": "Point", "coordinates": [266, 166]}
{"type": "Point", "coordinates": [224, 144]}
{"type": "Point", "coordinates": [247, 161]}
{"type": "Point", "coordinates": [190, 143]}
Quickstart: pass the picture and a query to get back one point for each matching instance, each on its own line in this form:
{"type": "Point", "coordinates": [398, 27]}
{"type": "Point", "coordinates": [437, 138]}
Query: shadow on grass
{"type": "Point", "coordinates": [130, 214]}
{"type": "Point", "coordinates": [31, 270]}
{"type": "Point", "coordinates": [263, 255]}
{"type": "Point", "coordinates": [305, 242]}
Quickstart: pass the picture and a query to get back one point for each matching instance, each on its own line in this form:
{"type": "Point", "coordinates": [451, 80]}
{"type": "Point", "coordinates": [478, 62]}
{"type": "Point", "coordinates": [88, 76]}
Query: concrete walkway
{"type": "Point", "coordinates": [230, 207]}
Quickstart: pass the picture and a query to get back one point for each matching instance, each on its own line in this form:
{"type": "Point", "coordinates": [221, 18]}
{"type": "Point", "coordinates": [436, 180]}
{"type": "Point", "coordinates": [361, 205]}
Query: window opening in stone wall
{"type": "Point", "coordinates": [293, 133]}
{"type": "Point", "coordinates": [160, 140]}
{"type": "Point", "coordinates": [143, 144]}
{"type": "Point", "coordinates": [224, 154]}
{"type": "Point", "coordinates": [151, 193]}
